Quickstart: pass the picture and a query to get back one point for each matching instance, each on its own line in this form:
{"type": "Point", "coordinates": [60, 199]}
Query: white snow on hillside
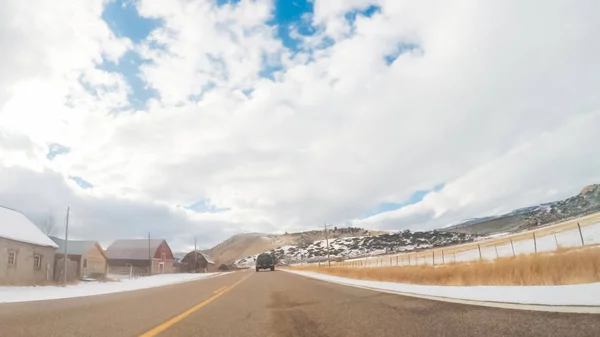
{"type": "Point", "coordinates": [362, 246]}
{"type": "Point", "coordinates": [545, 243]}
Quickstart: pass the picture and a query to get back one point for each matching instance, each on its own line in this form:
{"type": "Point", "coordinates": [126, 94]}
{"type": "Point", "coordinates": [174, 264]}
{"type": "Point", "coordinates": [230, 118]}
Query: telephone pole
{"type": "Point", "coordinates": [66, 246]}
{"type": "Point", "coordinates": [327, 241]}
{"type": "Point", "coordinates": [149, 257]}
{"type": "Point", "coordinates": [195, 257]}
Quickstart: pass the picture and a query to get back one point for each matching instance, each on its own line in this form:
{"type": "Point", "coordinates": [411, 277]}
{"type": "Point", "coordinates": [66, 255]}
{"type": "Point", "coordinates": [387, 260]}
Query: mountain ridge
{"type": "Point", "coordinates": [246, 245]}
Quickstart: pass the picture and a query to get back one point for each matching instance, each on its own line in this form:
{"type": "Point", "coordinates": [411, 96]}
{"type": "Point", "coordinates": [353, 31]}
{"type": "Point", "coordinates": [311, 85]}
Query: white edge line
{"type": "Point", "coordinates": [502, 305]}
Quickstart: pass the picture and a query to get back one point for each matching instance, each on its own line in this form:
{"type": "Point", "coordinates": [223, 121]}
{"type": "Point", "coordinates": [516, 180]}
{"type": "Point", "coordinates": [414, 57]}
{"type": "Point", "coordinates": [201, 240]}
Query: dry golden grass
{"type": "Point", "coordinates": [566, 267]}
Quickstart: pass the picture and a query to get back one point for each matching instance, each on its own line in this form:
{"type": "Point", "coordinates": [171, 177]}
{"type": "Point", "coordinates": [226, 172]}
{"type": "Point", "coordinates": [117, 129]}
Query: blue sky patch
{"type": "Point", "coordinates": [204, 206]}
{"type": "Point", "coordinates": [226, 2]}
{"type": "Point", "coordinates": [288, 14]}
{"type": "Point", "coordinates": [124, 20]}
{"type": "Point", "coordinates": [366, 12]}
{"type": "Point", "coordinates": [401, 48]}
{"type": "Point", "coordinates": [414, 198]}
{"type": "Point", "coordinates": [128, 66]}
{"type": "Point", "coordinates": [55, 149]}
{"type": "Point", "coordinates": [82, 183]}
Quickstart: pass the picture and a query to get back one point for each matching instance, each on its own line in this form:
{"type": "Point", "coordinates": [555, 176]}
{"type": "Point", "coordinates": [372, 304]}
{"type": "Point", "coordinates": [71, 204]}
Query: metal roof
{"type": "Point", "coordinates": [136, 249]}
{"type": "Point", "coordinates": [76, 247]}
{"type": "Point", "coordinates": [206, 256]}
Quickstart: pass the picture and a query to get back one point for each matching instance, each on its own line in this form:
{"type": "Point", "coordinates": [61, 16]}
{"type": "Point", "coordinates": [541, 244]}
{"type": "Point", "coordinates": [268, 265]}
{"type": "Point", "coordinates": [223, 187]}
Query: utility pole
{"type": "Point", "coordinates": [327, 241]}
{"type": "Point", "coordinates": [195, 257]}
{"type": "Point", "coordinates": [149, 257]}
{"type": "Point", "coordinates": [66, 245]}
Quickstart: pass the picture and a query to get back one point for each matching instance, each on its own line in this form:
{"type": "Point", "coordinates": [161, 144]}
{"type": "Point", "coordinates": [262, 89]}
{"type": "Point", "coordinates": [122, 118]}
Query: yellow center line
{"type": "Point", "coordinates": [220, 290]}
{"type": "Point", "coordinates": [164, 326]}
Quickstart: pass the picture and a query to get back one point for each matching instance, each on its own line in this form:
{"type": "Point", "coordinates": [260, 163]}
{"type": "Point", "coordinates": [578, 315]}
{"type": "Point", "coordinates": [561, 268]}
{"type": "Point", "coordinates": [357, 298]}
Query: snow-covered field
{"type": "Point", "coordinates": [25, 294]}
{"type": "Point", "coordinates": [564, 295]}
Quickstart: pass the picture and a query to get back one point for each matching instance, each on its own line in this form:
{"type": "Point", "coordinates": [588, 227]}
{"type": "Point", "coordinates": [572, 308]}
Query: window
{"type": "Point", "coordinates": [37, 261]}
{"type": "Point", "coordinates": [12, 258]}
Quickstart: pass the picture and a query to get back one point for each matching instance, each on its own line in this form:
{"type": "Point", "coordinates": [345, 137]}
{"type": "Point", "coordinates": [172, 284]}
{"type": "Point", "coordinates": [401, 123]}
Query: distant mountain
{"type": "Point", "coordinates": [247, 244]}
{"type": "Point", "coordinates": [586, 202]}
{"type": "Point", "coordinates": [361, 246]}
{"type": "Point", "coordinates": [350, 242]}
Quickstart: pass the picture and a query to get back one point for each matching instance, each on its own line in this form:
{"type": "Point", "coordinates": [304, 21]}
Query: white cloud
{"type": "Point", "coordinates": [493, 90]}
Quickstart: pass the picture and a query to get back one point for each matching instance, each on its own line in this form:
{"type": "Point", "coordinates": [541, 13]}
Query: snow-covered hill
{"type": "Point", "coordinates": [360, 246]}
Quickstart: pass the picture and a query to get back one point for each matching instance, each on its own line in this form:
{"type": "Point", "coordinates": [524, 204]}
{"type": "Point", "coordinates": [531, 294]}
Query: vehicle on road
{"type": "Point", "coordinates": [265, 261]}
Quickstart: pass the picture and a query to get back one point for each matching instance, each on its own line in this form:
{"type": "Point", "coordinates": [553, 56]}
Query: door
{"type": "Point", "coordinates": [85, 267]}
{"type": "Point", "coordinates": [161, 268]}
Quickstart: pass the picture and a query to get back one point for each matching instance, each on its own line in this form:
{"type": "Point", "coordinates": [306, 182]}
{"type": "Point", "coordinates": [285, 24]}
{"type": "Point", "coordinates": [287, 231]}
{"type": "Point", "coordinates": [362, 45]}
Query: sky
{"type": "Point", "coordinates": [208, 118]}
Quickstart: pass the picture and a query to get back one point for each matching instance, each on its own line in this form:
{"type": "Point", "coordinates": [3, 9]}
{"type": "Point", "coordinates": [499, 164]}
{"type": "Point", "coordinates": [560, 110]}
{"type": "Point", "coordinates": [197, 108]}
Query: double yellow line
{"type": "Point", "coordinates": [164, 326]}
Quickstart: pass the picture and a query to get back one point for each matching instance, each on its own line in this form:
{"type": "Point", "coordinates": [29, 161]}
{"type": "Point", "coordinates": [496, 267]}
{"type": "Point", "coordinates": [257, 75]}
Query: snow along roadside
{"type": "Point", "coordinates": [10, 294]}
{"type": "Point", "coordinates": [579, 298]}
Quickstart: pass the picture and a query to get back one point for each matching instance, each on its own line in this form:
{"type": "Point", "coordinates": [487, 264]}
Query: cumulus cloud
{"type": "Point", "coordinates": [498, 101]}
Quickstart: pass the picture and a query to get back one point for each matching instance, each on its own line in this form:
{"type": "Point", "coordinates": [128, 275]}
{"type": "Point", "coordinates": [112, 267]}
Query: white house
{"type": "Point", "coordinates": [26, 253]}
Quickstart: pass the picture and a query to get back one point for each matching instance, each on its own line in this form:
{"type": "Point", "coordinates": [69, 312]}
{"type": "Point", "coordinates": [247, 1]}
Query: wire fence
{"type": "Point", "coordinates": [541, 240]}
{"type": "Point", "coordinates": [126, 272]}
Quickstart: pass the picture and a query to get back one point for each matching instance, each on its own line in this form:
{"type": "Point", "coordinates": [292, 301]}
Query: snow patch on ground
{"type": "Point", "coordinates": [565, 295]}
{"type": "Point", "coordinates": [26, 294]}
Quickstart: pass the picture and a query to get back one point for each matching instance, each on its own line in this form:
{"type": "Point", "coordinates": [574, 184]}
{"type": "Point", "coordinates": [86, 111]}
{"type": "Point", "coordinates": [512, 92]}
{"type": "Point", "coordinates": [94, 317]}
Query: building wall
{"type": "Point", "coordinates": [167, 269]}
{"type": "Point", "coordinates": [23, 272]}
{"type": "Point", "coordinates": [163, 255]}
{"type": "Point", "coordinates": [127, 267]}
{"type": "Point", "coordinates": [96, 262]}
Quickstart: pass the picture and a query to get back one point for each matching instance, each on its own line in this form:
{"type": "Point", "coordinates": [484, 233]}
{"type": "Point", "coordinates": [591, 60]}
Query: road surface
{"type": "Point", "coordinates": [276, 304]}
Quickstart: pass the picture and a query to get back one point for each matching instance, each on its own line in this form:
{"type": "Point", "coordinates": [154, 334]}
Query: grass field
{"type": "Point", "coordinates": [564, 266]}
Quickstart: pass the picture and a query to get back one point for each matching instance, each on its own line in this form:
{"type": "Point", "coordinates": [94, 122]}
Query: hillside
{"type": "Point", "coordinates": [247, 244]}
{"type": "Point", "coordinates": [360, 246]}
{"type": "Point", "coordinates": [584, 203]}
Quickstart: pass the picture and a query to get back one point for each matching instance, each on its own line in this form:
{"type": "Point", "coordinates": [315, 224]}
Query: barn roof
{"type": "Point", "coordinates": [136, 249]}
{"type": "Point", "coordinates": [15, 226]}
{"type": "Point", "coordinates": [206, 256]}
{"type": "Point", "coordinates": [76, 247]}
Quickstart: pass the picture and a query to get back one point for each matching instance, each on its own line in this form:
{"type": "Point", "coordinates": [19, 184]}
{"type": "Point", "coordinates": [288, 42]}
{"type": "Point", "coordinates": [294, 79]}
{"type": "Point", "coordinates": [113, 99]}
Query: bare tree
{"type": "Point", "coordinates": [49, 225]}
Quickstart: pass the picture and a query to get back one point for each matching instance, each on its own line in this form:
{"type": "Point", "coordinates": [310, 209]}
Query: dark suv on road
{"type": "Point", "coordinates": [265, 261]}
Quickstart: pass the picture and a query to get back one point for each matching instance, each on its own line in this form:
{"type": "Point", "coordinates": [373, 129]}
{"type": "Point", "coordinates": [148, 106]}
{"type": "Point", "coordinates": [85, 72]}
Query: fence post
{"type": "Point", "coordinates": [433, 257]}
{"type": "Point", "coordinates": [496, 248]}
{"type": "Point", "coordinates": [513, 247]}
{"type": "Point", "coordinates": [443, 258]}
{"type": "Point", "coordinates": [479, 247]}
{"type": "Point", "coordinates": [580, 234]}
{"type": "Point", "coordinates": [409, 259]}
{"type": "Point", "coordinates": [556, 240]}
{"type": "Point", "coordinates": [534, 243]}
{"type": "Point", "coordinates": [396, 260]}
{"type": "Point", "coordinates": [454, 258]}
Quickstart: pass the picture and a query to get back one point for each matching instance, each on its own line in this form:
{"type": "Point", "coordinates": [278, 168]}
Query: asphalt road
{"type": "Point", "coordinates": [276, 304]}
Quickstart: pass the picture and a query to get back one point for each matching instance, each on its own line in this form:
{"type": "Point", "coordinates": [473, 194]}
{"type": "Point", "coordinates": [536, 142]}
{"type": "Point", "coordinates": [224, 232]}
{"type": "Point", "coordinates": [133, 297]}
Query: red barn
{"type": "Point", "coordinates": [135, 256]}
